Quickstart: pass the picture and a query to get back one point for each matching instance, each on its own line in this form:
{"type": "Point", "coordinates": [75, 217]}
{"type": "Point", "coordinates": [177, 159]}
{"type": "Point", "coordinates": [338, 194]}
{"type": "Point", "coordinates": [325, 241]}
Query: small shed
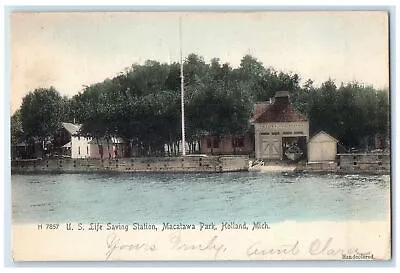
{"type": "Point", "coordinates": [322, 147]}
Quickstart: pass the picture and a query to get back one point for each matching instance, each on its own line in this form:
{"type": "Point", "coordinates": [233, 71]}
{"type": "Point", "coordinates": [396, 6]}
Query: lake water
{"type": "Point", "coordinates": [190, 198]}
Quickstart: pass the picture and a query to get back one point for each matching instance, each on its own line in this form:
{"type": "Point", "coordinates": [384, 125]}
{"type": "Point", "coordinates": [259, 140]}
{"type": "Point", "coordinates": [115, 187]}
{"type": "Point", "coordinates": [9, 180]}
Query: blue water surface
{"type": "Point", "coordinates": [188, 198]}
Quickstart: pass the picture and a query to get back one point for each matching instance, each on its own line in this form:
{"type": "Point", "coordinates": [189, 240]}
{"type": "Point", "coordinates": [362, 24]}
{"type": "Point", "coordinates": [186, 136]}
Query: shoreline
{"type": "Point", "coordinates": [198, 163]}
{"type": "Point", "coordinates": [193, 164]}
{"type": "Point", "coordinates": [283, 171]}
{"type": "Point", "coordinates": [294, 169]}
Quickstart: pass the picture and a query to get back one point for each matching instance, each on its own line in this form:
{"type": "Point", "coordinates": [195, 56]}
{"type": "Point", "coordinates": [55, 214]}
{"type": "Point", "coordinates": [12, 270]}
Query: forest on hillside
{"type": "Point", "coordinates": [143, 105]}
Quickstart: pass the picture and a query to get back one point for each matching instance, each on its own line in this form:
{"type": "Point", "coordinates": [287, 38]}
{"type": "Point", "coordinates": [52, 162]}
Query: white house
{"type": "Point", "coordinates": [79, 145]}
{"type": "Point", "coordinates": [322, 147]}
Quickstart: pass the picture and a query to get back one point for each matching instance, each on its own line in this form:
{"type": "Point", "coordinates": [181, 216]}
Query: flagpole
{"type": "Point", "coordinates": [182, 91]}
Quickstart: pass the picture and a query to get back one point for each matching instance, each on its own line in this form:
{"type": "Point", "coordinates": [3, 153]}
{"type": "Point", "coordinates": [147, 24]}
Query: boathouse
{"type": "Point", "coordinates": [281, 132]}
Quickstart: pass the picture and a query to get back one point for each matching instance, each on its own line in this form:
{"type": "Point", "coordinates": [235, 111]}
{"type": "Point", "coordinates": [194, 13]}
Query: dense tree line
{"type": "Point", "coordinates": [142, 105]}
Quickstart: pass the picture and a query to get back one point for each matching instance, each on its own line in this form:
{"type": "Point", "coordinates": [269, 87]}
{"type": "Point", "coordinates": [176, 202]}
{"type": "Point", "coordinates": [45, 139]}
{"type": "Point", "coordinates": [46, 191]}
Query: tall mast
{"type": "Point", "coordinates": [182, 92]}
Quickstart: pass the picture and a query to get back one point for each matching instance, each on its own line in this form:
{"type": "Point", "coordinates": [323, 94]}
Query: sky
{"type": "Point", "coordinates": [69, 50]}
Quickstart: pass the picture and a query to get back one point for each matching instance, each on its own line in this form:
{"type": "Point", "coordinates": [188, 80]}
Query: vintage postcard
{"type": "Point", "coordinates": [183, 136]}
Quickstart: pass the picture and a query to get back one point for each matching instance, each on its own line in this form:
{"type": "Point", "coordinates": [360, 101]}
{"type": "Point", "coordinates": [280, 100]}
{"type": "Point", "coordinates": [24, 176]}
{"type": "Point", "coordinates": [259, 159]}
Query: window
{"type": "Point", "coordinates": [298, 133]}
{"type": "Point", "coordinates": [79, 150]}
{"type": "Point", "coordinates": [216, 143]}
{"type": "Point", "coordinates": [264, 134]}
{"type": "Point", "coordinates": [238, 142]}
{"type": "Point", "coordinates": [275, 133]}
{"type": "Point", "coordinates": [87, 150]}
{"type": "Point", "coordinates": [287, 133]}
{"type": "Point", "coordinates": [208, 143]}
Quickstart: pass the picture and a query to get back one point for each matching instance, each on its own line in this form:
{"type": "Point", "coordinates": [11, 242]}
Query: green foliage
{"type": "Point", "coordinates": [41, 113]}
{"type": "Point", "coordinates": [353, 113]}
{"type": "Point", "coordinates": [17, 132]}
{"type": "Point", "coordinates": [143, 105]}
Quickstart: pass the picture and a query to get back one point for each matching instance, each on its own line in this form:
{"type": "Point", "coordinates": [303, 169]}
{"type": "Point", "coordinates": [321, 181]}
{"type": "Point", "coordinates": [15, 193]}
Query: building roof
{"type": "Point", "coordinates": [281, 94]}
{"type": "Point", "coordinates": [323, 133]}
{"type": "Point", "coordinates": [73, 129]}
{"type": "Point", "coordinates": [259, 109]}
{"type": "Point", "coordinates": [68, 145]}
{"type": "Point", "coordinates": [279, 110]}
{"type": "Point", "coordinates": [21, 144]}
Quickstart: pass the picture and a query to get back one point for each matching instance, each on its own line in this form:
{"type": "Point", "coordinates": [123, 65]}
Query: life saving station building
{"type": "Point", "coordinates": [281, 132]}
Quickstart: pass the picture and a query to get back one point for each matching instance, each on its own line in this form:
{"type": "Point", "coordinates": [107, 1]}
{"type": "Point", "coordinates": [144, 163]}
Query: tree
{"type": "Point", "coordinates": [17, 133]}
{"type": "Point", "coordinates": [353, 113]}
{"type": "Point", "coordinates": [221, 106]}
{"type": "Point", "coordinates": [41, 114]}
{"type": "Point", "coordinates": [142, 104]}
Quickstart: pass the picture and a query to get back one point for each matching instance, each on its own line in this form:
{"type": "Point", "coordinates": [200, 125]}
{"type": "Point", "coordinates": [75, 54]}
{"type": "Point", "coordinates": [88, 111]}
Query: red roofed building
{"type": "Point", "coordinates": [281, 132]}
